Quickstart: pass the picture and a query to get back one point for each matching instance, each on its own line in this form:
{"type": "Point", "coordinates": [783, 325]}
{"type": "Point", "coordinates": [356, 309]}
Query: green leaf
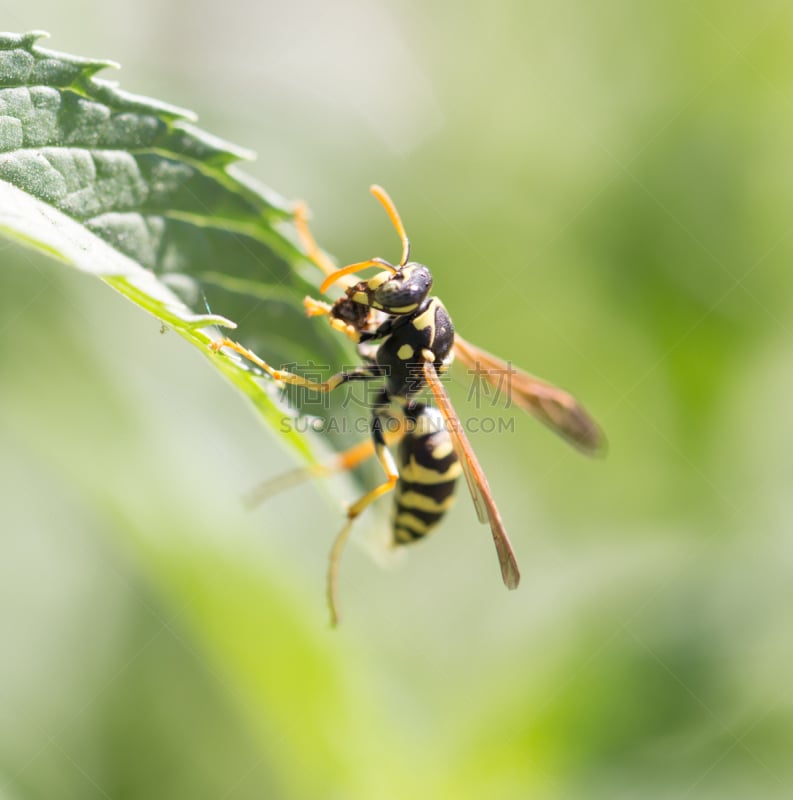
{"type": "Point", "coordinates": [128, 189]}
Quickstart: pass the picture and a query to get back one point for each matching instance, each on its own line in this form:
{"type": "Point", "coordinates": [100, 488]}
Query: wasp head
{"type": "Point", "coordinates": [403, 291]}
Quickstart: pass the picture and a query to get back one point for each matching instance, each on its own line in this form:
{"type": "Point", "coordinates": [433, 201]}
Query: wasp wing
{"type": "Point", "coordinates": [554, 407]}
{"type": "Point", "coordinates": [477, 482]}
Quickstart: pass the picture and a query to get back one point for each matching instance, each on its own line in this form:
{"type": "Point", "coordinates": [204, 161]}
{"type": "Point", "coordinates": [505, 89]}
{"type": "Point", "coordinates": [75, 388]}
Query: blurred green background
{"type": "Point", "coordinates": [604, 194]}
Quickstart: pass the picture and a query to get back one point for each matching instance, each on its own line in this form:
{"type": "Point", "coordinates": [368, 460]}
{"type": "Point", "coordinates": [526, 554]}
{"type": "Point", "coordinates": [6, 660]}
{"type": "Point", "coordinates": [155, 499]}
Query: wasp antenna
{"type": "Point", "coordinates": [340, 273]}
{"type": "Point", "coordinates": [388, 204]}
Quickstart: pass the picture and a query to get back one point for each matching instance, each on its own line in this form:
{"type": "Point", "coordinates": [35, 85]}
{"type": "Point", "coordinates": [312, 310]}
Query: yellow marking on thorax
{"type": "Point", "coordinates": [427, 320]}
{"type": "Point", "coordinates": [405, 352]}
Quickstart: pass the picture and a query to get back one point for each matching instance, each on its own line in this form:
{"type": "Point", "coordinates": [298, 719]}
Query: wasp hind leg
{"type": "Point", "coordinates": [358, 507]}
{"type": "Point", "coordinates": [341, 462]}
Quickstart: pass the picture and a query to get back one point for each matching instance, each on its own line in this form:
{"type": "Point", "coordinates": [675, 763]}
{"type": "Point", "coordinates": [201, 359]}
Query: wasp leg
{"type": "Point", "coordinates": [392, 474]}
{"type": "Point", "coordinates": [318, 308]}
{"type": "Point", "coordinates": [365, 373]}
{"type": "Point", "coordinates": [341, 462]}
{"type": "Point", "coordinates": [389, 467]}
{"type": "Point", "coordinates": [308, 241]}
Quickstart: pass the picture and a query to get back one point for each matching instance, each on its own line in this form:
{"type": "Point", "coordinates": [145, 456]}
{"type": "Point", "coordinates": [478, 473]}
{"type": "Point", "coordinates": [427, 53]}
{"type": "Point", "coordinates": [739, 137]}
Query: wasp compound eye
{"type": "Point", "coordinates": [405, 291]}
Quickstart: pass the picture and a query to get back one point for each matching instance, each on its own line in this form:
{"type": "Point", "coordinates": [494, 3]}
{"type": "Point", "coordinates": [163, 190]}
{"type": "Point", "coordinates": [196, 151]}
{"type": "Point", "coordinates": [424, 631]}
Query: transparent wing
{"type": "Point", "coordinates": [477, 482]}
{"type": "Point", "coordinates": [557, 409]}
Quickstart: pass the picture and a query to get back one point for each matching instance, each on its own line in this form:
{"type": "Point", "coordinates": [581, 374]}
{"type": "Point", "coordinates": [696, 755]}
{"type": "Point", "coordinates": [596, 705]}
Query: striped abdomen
{"type": "Point", "coordinates": [428, 472]}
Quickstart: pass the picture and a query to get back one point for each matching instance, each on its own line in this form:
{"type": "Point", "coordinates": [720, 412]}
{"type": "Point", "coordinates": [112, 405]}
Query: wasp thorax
{"type": "Point", "coordinates": [403, 291]}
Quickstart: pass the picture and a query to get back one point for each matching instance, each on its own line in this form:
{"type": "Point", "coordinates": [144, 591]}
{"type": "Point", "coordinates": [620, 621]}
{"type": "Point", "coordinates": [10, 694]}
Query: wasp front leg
{"type": "Point", "coordinates": [363, 373]}
{"type": "Point", "coordinates": [341, 316]}
{"type": "Point", "coordinates": [315, 255]}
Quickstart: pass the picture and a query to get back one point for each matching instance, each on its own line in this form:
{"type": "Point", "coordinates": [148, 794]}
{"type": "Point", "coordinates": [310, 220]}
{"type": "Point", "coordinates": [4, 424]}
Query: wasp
{"type": "Point", "coordinates": [406, 340]}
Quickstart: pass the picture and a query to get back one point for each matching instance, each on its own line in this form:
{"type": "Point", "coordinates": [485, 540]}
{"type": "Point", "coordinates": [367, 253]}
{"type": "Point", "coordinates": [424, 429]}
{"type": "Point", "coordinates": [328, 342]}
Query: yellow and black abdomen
{"type": "Point", "coordinates": [428, 472]}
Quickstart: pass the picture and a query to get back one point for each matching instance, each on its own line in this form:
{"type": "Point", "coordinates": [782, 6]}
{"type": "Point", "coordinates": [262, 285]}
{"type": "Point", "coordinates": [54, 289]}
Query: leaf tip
{"type": "Point", "coordinates": [90, 69]}
{"type": "Point", "coordinates": [31, 37]}
{"type": "Point", "coordinates": [208, 320]}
